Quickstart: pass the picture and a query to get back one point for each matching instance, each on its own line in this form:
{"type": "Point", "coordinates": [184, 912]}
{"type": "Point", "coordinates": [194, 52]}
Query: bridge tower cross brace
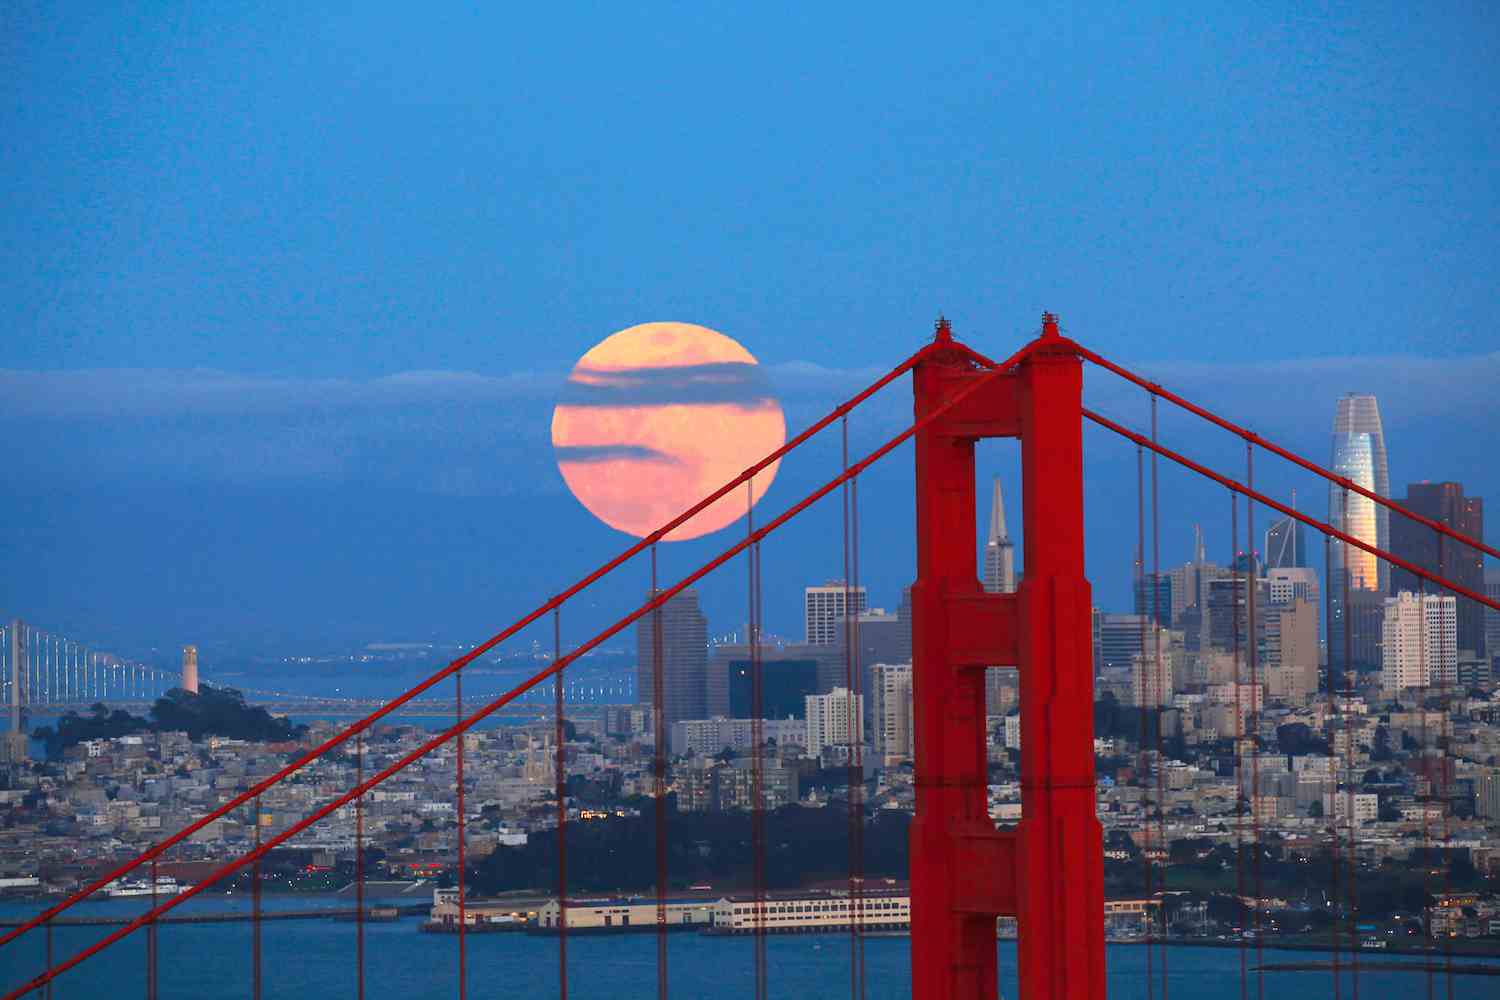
{"type": "Point", "coordinates": [1048, 871]}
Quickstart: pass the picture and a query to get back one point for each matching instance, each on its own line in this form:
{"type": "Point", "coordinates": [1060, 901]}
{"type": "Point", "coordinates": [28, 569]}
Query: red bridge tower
{"type": "Point", "coordinates": [1049, 871]}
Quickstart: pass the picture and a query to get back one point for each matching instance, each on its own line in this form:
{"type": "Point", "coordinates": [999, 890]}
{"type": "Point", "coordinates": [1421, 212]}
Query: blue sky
{"type": "Point", "coordinates": [289, 293]}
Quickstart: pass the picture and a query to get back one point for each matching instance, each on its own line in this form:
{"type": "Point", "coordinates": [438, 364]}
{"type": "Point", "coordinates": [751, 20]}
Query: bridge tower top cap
{"type": "Point", "coordinates": [944, 330]}
{"type": "Point", "coordinates": [1049, 324]}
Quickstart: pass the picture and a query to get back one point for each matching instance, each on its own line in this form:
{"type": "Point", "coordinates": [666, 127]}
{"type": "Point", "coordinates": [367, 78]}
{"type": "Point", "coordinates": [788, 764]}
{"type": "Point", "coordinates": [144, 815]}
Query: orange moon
{"type": "Point", "coordinates": [658, 416]}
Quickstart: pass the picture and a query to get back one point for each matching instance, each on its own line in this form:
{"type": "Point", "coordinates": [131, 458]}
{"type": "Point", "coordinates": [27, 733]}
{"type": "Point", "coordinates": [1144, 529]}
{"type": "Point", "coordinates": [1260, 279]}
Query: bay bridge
{"type": "Point", "coordinates": [1047, 870]}
{"type": "Point", "coordinates": [44, 674]}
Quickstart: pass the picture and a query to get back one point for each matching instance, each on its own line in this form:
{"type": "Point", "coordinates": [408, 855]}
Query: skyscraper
{"type": "Point", "coordinates": [834, 719]}
{"type": "Point", "coordinates": [999, 553]}
{"type": "Point", "coordinates": [891, 711]}
{"type": "Point", "coordinates": [1419, 647]}
{"type": "Point", "coordinates": [1358, 455]}
{"type": "Point", "coordinates": [1446, 504]}
{"type": "Point", "coordinates": [1286, 544]}
{"type": "Point", "coordinates": [684, 659]}
{"type": "Point", "coordinates": [826, 607]}
{"type": "Point", "coordinates": [1491, 616]}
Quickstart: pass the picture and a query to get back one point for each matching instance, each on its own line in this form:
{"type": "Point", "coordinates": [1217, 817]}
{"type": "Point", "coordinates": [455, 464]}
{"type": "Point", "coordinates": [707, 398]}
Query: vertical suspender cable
{"type": "Point", "coordinates": [1424, 647]}
{"type": "Point", "coordinates": [1139, 689]}
{"type": "Point", "coordinates": [49, 958]}
{"type": "Point", "coordinates": [851, 614]}
{"type": "Point", "coordinates": [1257, 699]}
{"type": "Point", "coordinates": [462, 833]}
{"type": "Point", "coordinates": [1239, 734]}
{"type": "Point", "coordinates": [359, 868]}
{"type": "Point", "coordinates": [1331, 809]}
{"type": "Point", "coordinates": [659, 775]}
{"type": "Point", "coordinates": [255, 984]}
{"type": "Point", "coordinates": [1444, 738]}
{"type": "Point", "coordinates": [1351, 860]}
{"type": "Point", "coordinates": [757, 753]}
{"type": "Point", "coordinates": [858, 789]}
{"type": "Point", "coordinates": [151, 944]}
{"type": "Point", "coordinates": [1161, 688]}
{"type": "Point", "coordinates": [562, 811]}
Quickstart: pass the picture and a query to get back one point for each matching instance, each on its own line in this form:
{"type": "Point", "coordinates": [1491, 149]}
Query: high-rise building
{"type": "Point", "coordinates": [1227, 612]}
{"type": "Point", "coordinates": [1151, 672]}
{"type": "Point", "coordinates": [1121, 638]}
{"type": "Point", "coordinates": [1358, 455]}
{"type": "Point", "coordinates": [999, 553]}
{"type": "Point", "coordinates": [1491, 616]}
{"type": "Point", "coordinates": [190, 669]}
{"type": "Point", "coordinates": [835, 719]}
{"type": "Point", "coordinates": [1446, 504]}
{"type": "Point", "coordinates": [891, 711]}
{"type": "Point", "coordinates": [1289, 650]}
{"type": "Point", "coordinates": [826, 607]}
{"type": "Point", "coordinates": [1190, 593]}
{"type": "Point", "coordinates": [1153, 597]}
{"type": "Point", "coordinates": [1286, 544]}
{"type": "Point", "coordinates": [684, 659]}
{"type": "Point", "coordinates": [1419, 642]}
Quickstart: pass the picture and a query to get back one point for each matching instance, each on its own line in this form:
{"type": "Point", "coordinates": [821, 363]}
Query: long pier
{"type": "Point", "coordinates": [328, 913]}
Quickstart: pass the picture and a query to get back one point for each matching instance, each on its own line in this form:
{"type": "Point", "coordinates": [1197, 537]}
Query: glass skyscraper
{"type": "Point", "coordinates": [1358, 455]}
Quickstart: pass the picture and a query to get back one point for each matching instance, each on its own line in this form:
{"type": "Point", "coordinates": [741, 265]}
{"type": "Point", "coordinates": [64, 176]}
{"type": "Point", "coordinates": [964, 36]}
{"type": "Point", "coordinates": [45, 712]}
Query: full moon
{"type": "Point", "coordinates": [658, 416]}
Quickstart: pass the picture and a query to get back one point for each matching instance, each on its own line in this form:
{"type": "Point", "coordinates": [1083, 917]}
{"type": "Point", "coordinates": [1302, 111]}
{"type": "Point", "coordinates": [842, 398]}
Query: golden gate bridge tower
{"type": "Point", "coordinates": [965, 872]}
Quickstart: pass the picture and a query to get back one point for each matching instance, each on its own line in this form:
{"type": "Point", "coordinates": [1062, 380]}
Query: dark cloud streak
{"type": "Point", "coordinates": [734, 383]}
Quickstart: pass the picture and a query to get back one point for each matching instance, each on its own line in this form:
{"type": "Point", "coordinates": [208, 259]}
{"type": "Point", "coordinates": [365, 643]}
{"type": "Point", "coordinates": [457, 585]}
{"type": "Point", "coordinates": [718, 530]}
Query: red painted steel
{"type": "Point", "coordinates": [1252, 438]}
{"type": "Point", "coordinates": [752, 540]}
{"type": "Point", "coordinates": [556, 602]}
{"type": "Point", "coordinates": [659, 784]}
{"type": "Point", "coordinates": [1297, 515]}
{"type": "Point", "coordinates": [458, 775]}
{"type": "Point", "coordinates": [562, 813]}
{"type": "Point", "coordinates": [1049, 870]}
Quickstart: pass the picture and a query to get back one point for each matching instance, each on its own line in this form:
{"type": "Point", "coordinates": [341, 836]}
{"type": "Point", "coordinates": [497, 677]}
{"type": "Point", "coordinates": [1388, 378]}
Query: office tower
{"type": "Point", "coordinates": [1491, 616]}
{"type": "Point", "coordinates": [788, 672]}
{"type": "Point", "coordinates": [999, 553]}
{"type": "Point", "coordinates": [1286, 544]}
{"type": "Point", "coordinates": [1296, 583]}
{"type": "Point", "coordinates": [878, 637]}
{"type": "Point", "coordinates": [1153, 597]}
{"type": "Point", "coordinates": [684, 659]}
{"type": "Point", "coordinates": [1190, 592]}
{"type": "Point", "coordinates": [891, 711]}
{"type": "Point", "coordinates": [835, 719]}
{"type": "Point", "coordinates": [1121, 637]}
{"type": "Point", "coordinates": [190, 669]}
{"type": "Point", "coordinates": [1419, 642]}
{"type": "Point", "coordinates": [1227, 614]}
{"type": "Point", "coordinates": [903, 628]}
{"type": "Point", "coordinates": [1358, 455]}
{"type": "Point", "coordinates": [1289, 650]}
{"type": "Point", "coordinates": [826, 607]}
{"type": "Point", "coordinates": [1151, 671]}
{"type": "Point", "coordinates": [784, 683]}
{"type": "Point", "coordinates": [1446, 504]}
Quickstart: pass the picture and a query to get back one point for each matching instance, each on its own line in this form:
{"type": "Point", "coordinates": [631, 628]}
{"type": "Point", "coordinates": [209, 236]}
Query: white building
{"type": "Point", "coordinates": [999, 553]}
{"type": "Point", "coordinates": [834, 719]}
{"type": "Point", "coordinates": [1151, 681]}
{"type": "Point", "coordinates": [1419, 642]}
{"type": "Point", "coordinates": [1366, 806]}
{"type": "Point", "coordinates": [825, 608]}
{"type": "Point", "coordinates": [711, 736]}
{"type": "Point", "coordinates": [891, 711]}
{"type": "Point", "coordinates": [1294, 583]}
